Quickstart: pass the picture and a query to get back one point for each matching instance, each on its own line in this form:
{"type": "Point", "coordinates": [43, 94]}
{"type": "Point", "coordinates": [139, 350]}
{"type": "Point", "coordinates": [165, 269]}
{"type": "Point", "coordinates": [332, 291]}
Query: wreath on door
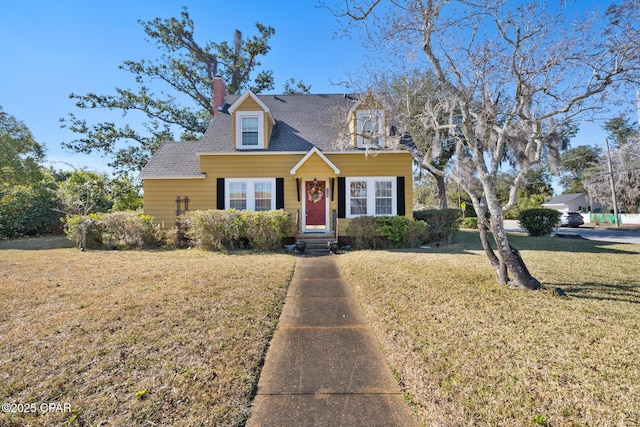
{"type": "Point", "coordinates": [315, 192]}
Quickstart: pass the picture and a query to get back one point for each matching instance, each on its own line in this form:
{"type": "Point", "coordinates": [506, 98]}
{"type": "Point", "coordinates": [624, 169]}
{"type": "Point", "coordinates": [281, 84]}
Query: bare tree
{"type": "Point", "coordinates": [626, 176]}
{"type": "Point", "coordinates": [511, 77]}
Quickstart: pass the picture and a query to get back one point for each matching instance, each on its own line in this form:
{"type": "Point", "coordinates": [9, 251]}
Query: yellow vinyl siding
{"type": "Point", "coordinates": [315, 166]}
{"type": "Point", "coordinates": [381, 164]}
{"type": "Point", "coordinates": [254, 166]}
{"type": "Point", "coordinates": [160, 197]}
{"type": "Point", "coordinates": [160, 194]}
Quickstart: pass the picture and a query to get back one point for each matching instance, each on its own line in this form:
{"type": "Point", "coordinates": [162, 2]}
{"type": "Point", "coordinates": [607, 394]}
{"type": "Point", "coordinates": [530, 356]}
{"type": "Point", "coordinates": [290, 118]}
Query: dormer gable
{"type": "Point", "coordinates": [252, 122]}
{"type": "Point", "coordinates": [368, 122]}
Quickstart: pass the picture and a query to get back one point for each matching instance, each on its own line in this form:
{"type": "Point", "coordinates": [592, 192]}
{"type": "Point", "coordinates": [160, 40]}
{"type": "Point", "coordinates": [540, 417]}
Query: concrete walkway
{"type": "Point", "coordinates": [324, 366]}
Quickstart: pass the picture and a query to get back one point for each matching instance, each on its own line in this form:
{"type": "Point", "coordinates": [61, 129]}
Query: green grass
{"type": "Point", "coordinates": [469, 352]}
{"type": "Point", "coordinates": [178, 337]}
{"type": "Point", "coordinates": [135, 337]}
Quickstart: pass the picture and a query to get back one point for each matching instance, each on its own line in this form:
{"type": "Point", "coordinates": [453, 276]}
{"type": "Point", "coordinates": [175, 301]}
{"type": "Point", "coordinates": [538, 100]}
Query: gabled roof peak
{"type": "Point", "coordinates": [311, 152]}
{"type": "Point", "coordinates": [250, 94]}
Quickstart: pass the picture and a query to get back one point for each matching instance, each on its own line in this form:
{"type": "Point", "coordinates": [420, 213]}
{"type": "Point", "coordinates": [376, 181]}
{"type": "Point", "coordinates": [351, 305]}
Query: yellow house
{"type": "Point", "coordinates": [324, 158]}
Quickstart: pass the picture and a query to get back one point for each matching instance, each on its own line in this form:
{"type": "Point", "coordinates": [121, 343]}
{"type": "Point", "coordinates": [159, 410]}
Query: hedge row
{"type": "Point", "coordinates": [232, 229]}
{"type": "Point", "coordinates": [384, 232]}
{"type": "Point", "coordinates": [116, 230]}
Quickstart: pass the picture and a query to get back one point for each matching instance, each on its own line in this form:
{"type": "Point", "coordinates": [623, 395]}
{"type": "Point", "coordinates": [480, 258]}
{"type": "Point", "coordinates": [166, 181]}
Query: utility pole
{"type": "Point", "coordinates": [638, 104]}
{"type": "Point", "coordinates": [613, 186]}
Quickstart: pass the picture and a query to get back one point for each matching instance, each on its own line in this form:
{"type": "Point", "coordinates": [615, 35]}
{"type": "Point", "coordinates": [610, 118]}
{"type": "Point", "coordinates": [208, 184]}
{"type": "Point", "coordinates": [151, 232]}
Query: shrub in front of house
{"type": "Point", "coordinates": [364, 234]}
{"type": "Point", "coordinates": [539, 221]}
{"type": "Point", "coordinates": [469, 222]}
{"type": "Point", "coordinates": [115, 230]}
{"type": "Point", "coordinates": [232, 229]}
{"type": "Point", "coordinates": [386, 232]}
{"type": "Point", "coordinates": [129, 230]}
{"type": "Point", "coordinates": [215, 229]}
{"type": "Point", "coordinates": [266, 230]}
{"type": "Point", "coordinates": [93, 226]}
{"type": "Point", "coordinates": [443, 224]}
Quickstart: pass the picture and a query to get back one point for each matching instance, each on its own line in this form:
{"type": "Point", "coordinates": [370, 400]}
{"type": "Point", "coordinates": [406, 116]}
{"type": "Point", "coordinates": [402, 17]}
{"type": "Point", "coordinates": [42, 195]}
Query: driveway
{"type": "Point", "coordinates": [604, 234]}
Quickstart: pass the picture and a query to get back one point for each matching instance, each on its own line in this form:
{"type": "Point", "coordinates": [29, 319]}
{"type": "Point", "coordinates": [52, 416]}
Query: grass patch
{"type": "Point", "coordinates": [136, 337]}
{"type": "Point", "coordinates": [470, 352]}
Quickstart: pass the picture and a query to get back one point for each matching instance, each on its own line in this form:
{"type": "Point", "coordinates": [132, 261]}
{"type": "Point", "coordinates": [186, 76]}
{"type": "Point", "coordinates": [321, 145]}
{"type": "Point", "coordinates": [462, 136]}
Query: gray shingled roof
{"type": "Point", "coordinates": [303, 121]}
{"type": "Point", "coordinates": [174, 160]}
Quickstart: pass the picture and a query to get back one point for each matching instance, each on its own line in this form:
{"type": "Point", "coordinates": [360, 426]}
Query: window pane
{"type": "Point", "coordinates": [359, 189]}
{"type": "Point", "coordinates": [263, 196]}
{"type": "Point", "coordinates": [384, 189]}
{"type": "Point", "coordinates": [358, 193]}
{"type": "Point", "coordinates": [263, 204]}
{"type": "Point", "coordinates": [250, 131]}
{"type": "Point", "coordinates": [238, 204]}
{"type": "Point", "coordinates": [384, 198]}
{"type": "Point", "coordinates": [250, 124]}
{"type": "Point", "coordinates": [263, 190]}
{"type": "Point", "coordinates": [358, 206]}
{"type": "Point", "coordinates": [238, 195]}
{"type": "Point", "coordinates": [384, 207]}
{"type": "Point", "coordinates": [238, 190]}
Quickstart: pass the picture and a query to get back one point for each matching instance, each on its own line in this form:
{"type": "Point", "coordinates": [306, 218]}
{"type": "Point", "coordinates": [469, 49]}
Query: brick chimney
{"type": "Point", "coordinates": [218, 94]}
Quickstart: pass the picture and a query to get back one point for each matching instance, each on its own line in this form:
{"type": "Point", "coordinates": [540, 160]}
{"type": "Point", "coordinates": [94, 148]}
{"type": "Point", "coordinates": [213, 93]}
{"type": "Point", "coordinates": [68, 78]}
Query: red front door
{"type": "Point", "coordinates": [315, 204]}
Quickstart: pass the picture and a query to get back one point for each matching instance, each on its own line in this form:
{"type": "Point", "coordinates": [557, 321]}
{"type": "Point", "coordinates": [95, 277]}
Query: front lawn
{"type": "Point", "coordinates": [135, 337]}
{"type": "Point", "coordinates": [469, 352]}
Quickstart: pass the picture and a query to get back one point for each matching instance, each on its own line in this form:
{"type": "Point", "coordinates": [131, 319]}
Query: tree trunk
{"type": "Point", "coordinates": [497, 263]}
{"type": "Point", "coordinates": [442, 192]}
{"type": "Point", "coordinates": [511, 256]}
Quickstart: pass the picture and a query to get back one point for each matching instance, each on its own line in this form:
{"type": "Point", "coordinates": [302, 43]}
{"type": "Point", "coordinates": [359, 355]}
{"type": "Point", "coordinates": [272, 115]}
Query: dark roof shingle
{"type": "Point", "coordinates": [302, 122]}
{"type": "Point", "coordinates": [174, 160]}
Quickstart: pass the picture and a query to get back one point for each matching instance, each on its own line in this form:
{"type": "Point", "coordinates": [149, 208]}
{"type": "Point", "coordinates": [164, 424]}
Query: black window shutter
{"type": "Point", "coordinates": [279, 193]}
{"type": "Point", "coordinates": [342, 197]}
{"type": "Point", "coordinates": [400, 198]}
{"type": "Point", "coordinates": [220, 194]}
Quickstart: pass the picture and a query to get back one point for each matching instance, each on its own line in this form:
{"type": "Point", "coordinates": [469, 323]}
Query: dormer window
{"type": "Point", "coordinates": [249, 129]}
{"type": "Point", "coordinates": [370, 128]}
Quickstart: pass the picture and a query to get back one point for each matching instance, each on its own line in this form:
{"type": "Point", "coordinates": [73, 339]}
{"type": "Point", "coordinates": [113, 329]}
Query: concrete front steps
{"type": "Point", "coordinates": [316, 243]}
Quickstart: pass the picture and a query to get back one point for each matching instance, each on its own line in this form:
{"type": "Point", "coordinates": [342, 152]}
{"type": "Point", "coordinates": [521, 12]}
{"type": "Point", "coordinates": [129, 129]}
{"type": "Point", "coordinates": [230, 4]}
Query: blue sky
{"type": "Point", "coordinates": [50, 49]}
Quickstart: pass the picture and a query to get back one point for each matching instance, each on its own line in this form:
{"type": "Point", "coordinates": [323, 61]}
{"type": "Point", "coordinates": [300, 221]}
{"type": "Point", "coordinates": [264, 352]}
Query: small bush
{"type": "Point", "coordinates": [129, 230]}
{"type": "Point", "coordinates": [403, 232]}
{"type": "Point", "coordinates": [266, 230]}
{"type": "Point", "coordinates": [364, 233]}
{"type": "Point", "coordinates": [471, 223]}
{"type": "Point", "coordinates": [385, 232]}
{"type": "Point", "coordinates": [215, 229]}
{"type": "Point", "coordinates": [94, 229]}
{"type": "Point", "coordinates": [539, 221]}
{"type": "Point", "coordinates": [443, 224]}
{"type": "Point", "coordinates": [228, 230]}
{"type": "Point", "coordinates": [122, 230]}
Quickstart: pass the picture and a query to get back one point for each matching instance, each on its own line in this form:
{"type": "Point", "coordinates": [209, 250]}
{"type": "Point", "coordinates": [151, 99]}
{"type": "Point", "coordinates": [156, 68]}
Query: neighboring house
{"type": "Point", "coordinates": [324, 158]}
{"type": "Point", "coordinates": [575, 202]}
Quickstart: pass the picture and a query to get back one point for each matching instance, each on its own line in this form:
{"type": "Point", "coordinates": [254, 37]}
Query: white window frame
{"type": "Point", "coordinates": [251, 191]}
{"type": "Point", "coordinates": [371, 195]}
{"type": "Point", "coordinates": [376, 117]}
{"type": "Point", "coordinates": [239, 142]}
